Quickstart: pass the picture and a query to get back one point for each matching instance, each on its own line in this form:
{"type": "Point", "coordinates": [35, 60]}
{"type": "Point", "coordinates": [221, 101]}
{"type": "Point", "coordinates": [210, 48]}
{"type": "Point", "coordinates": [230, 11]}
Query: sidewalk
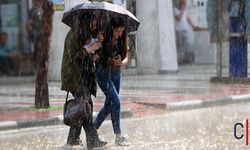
{"type": "Point", "coordinates": [141, 95]}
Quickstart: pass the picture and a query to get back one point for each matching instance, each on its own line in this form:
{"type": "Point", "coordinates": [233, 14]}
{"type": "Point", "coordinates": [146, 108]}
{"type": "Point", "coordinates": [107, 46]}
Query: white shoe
{"type": "Point", "coordinates": [121, 141]}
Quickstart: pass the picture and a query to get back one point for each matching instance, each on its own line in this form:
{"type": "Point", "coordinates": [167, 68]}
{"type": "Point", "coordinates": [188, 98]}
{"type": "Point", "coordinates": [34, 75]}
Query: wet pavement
{"type": "Point", "coordinates": [208, 128]}
{"type": "Point", "coordinates": [14, 99]}
{"type": "Point", "coordinates": [144, 95]}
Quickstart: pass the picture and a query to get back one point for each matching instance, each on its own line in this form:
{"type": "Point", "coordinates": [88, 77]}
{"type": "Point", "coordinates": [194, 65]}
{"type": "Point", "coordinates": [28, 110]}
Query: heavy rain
{"type": "Point", "coordinates": [124, 74]}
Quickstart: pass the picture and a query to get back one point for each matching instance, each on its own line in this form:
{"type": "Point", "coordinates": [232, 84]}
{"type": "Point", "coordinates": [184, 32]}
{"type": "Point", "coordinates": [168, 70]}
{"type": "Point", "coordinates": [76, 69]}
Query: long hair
{"type": "Point", "coordinates": [82, 29]}
{"type": "Point", "coordinates": [123, 40]}
{"type": "Point", "coordinates": [123, 43]}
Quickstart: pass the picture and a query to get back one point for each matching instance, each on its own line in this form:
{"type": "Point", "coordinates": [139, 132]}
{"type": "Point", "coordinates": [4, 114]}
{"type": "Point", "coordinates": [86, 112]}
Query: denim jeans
{"type": "Point", "coordinates": [109, 82]}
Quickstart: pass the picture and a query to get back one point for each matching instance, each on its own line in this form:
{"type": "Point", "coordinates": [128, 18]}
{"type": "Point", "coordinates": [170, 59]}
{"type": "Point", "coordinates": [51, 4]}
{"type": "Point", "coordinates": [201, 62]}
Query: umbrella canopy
{"type": "Point", "coordinates": [104, 12]}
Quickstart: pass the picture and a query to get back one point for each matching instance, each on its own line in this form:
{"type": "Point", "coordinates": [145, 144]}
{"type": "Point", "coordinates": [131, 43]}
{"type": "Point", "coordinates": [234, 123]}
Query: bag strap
{"type": "Point", "coordinates": [67, 97]}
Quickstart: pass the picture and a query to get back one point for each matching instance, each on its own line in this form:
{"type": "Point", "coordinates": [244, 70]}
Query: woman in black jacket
{"type": "Point", "coordinates": [78, 75]}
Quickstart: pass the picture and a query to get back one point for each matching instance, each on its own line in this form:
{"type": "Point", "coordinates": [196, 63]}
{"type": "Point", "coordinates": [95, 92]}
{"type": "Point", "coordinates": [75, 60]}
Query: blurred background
{"type": "Point", "coordinates": [153, 48]}
{"type": "Point", "coordinates": [186, 54]}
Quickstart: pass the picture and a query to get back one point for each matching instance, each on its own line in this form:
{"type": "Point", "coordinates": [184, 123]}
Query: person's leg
{"type": "Point", "coordinates": [74, 131]}
{"type": "Point", "coordinates": [112, 102]}
{"type": "Point", "coordinates": [116, 78]}
{"type": "Point", "coordinates": [189, 52]}
{"type": "Point", "coordinates": [115, 101]}
{"type": "Point", "coordinates": [103, 81]}
{"type": "Point", "coordinates": [74, 135]}
{"type": "Point", "coordinates": [92, 138]}
{"type": "Point", "coordinates": [179, 45]}
{"type": "Point", "coordinates": [103, 114]}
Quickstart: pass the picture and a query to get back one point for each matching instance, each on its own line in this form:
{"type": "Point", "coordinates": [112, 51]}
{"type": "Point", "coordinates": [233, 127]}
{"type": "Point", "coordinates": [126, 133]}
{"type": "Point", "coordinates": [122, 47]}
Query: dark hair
{"type": "Point", "coordinates": [117, 22]}
{"type": "Point", "coordinates": [82, 28]}
{"type": "Point", "coordinates": [122, 41]}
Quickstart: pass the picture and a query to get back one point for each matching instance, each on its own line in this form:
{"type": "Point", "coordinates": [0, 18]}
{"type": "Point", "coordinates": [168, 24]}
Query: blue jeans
{"type": "Point", "coordinates": [109, 82]}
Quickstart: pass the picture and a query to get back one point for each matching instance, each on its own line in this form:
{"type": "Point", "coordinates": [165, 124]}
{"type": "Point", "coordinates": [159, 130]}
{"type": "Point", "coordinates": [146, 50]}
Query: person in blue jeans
{"type": "Point", "coordinates": [113, 56]}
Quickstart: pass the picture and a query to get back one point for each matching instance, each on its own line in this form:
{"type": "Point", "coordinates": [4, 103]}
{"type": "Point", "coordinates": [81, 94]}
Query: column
{"type": "Point", "coordinates": [168, 55]}
{"type": "Point", "coordinates": [148, 56]}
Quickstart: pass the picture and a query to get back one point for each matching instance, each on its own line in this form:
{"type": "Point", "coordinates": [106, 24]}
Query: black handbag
{"type": "Point", "coordinates": [76, 111]}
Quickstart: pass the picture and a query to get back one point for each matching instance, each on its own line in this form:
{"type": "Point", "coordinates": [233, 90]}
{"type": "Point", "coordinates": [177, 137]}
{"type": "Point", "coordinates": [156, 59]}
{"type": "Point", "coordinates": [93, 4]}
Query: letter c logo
{"type": "Point", "coordinates": [235, 132]}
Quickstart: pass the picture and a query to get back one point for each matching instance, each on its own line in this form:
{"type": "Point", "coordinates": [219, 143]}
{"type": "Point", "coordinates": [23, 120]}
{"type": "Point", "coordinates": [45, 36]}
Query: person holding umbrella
{"type": "Point", "coordinates": [114, 55]}
{"type": "Point", "coordinates": [112, 58]}
{"type": "Point", "coordinates": [78, 74]}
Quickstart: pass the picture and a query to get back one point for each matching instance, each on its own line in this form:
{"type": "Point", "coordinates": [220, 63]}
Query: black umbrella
{"type": "Point", "coordinates": [104, 12]}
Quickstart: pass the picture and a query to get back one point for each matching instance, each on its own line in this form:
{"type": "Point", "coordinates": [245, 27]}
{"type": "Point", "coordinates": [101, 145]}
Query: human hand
{"type": "Point", "coordinates": [94, 47]}
{"type": "Point", "coordinates": [117, 61]}
{"type": "Point", "coordinates": [100, 37]}
{"type": "Point", "coordinates": [95, 57]}
{"type": "Point", "coordinates": [196, 28]}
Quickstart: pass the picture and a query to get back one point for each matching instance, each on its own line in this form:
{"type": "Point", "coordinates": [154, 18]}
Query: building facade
{"type": "Point", "coordinates": [13, 16]}
{"type": "Point", "coordinates": [153, 46]}
{"type": "Point", "coordinates": [156, 49]}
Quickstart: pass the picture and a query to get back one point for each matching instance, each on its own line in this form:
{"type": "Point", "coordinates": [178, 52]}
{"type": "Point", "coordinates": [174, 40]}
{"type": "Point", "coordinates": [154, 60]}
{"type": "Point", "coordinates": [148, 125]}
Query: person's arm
{"type": "Point", "coordinates": [124, 62]}
{"type": "Point", "coordinates": [98, 53]}
{"type": "Point", "coordinates": [126, 58]}
{"type": "Point", "coordinates": [190, 22]}
{"type": "Point", "coordinates": [71, 48]}
{"type": "Point", "coordinates": [118, 62]}
{"type": "Point", "coordinates": [76, 53]}
{"type": "Point", "coordinates": [195, 28]}
{"type": "Point", "coordinates": [178, 14]}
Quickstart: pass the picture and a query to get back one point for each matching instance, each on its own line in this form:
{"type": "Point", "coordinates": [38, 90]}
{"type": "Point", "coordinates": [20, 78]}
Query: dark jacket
{"type": "Point", "coordinates": [110, 52]}
{"type": "Point", "coordinates": [73, 71]}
